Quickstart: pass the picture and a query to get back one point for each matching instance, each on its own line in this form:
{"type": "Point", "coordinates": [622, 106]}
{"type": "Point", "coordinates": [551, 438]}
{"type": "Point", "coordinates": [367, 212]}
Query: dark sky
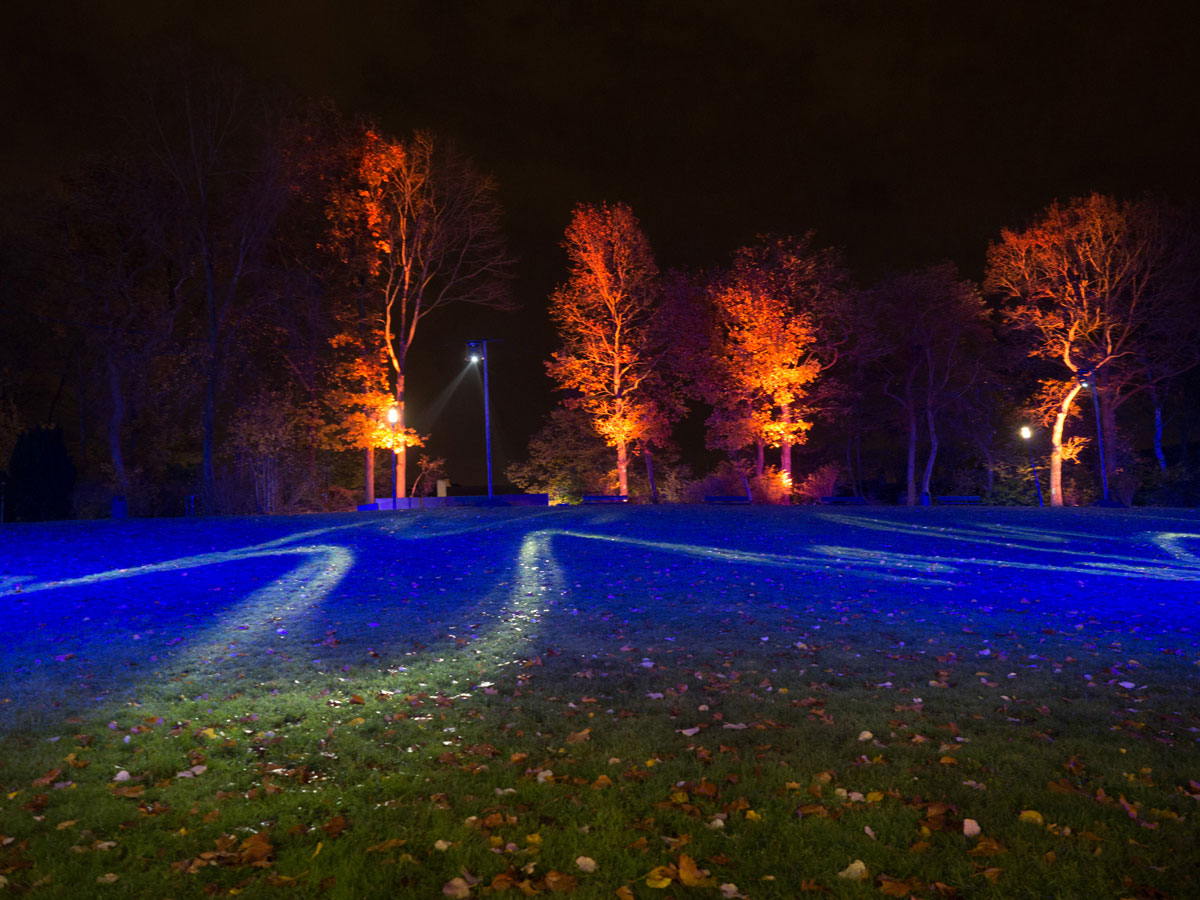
{"type": "Point", "coordinates": [904, 131]}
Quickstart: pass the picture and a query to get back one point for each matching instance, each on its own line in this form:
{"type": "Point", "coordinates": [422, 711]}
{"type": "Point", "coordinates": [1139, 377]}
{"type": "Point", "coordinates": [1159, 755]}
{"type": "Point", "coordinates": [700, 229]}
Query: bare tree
{"type": "Point", "coordinates": [932, 331]}
{"type": "Point", "coordinates": [423, 225]}
{"type": "Point", "coordinates": [1085, 283]}
{"type": "Point", "coordinates": [605, 317]}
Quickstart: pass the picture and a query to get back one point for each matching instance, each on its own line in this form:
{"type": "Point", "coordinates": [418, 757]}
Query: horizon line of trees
{"type": "Point", "coordinates": [221, 310]}
{"type": "Point", "coordinates": [1095, 296]}
{"type": "Point", "coordinates": [225, 308]}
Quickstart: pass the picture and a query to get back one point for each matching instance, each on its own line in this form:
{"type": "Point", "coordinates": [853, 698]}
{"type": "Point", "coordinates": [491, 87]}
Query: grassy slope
{"type": "Point", "coordinates": [719, 667]}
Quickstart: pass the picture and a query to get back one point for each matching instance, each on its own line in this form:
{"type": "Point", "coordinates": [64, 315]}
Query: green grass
{"type": "Point", "coordinates": [640, 739]}
{"type": "Point", "coordinates": [509, 777]}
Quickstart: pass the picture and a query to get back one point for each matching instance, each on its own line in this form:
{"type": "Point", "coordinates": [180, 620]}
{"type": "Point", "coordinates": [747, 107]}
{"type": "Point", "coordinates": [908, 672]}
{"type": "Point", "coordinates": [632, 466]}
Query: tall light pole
{"type": "Point", "coordinates": [394, 417]}
{"type": "Point", "coordinates": [1088, 380]}
{"type": "Point", "coordinates": [1027, 434]}
{"type": "Point", "coordinates": [479, 353]}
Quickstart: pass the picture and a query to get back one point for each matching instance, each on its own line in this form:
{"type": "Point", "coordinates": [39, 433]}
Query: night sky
{"type": "Point", "coordinates": [904, 132]}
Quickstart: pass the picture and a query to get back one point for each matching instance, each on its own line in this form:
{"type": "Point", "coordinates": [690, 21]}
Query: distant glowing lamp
{"type": "Point", "coordinates": [1025, 432]}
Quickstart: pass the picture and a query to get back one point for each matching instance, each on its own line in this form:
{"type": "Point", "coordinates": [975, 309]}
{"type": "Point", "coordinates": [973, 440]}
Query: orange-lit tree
{"type": "Point", "coordinates": [1084, 284]}
{"type": "Point", "coordinates": [769, 345]}
{"type": "Point", "coordinates": [605, 318]}
{"type": "Point", "coordinates": [422, 226]}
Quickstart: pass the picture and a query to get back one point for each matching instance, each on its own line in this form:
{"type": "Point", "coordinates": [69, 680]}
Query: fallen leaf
{"type": "Point", "coordinates": [561, 882]}
{"type": "Point", "coordinates": [970, 827]}
{"type": "Point", "coordinates": [691, 875]}
{"type": "Point", "coordinates": [335, 826]}
{"type": "Point", "coordinates": [661, 876]}
{"type": "Point", "coordinates": [386, 845]}
{"type": "Point", "coordinates": [856, 871]}
{"type": "Point", "coordinates": [456, 888]}
{"type": "Point", "coordinates": [1032, 816]}
{"type": "Point", "coordinates": [585, 864]}
{"type": "Point", "coordinates": [986, 847]}
{"type": "Point", "coordinates": [256, 850]}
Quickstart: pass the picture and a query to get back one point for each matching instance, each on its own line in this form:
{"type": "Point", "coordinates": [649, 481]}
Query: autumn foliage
{"type": "Point", "coordinates": [605, 319]}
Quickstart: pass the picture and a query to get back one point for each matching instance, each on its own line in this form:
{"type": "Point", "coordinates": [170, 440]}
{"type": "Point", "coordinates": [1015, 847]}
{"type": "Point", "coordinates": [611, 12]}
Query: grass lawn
{"type": "Point", "coordinates": [620, 703]}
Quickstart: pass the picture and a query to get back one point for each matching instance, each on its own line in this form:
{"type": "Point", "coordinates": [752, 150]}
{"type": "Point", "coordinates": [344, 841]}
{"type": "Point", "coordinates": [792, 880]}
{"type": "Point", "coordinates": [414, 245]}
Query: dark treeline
{"type": "Point", "coordinates": [217, 313]}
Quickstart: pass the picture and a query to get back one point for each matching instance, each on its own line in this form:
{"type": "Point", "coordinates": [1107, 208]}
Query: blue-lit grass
{"type": "Point", "coordinates": [504, 663]}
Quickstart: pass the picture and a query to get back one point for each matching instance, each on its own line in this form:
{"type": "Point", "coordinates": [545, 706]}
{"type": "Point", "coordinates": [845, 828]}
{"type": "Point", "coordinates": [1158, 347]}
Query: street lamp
{"type": "Point", "coordinates": [479, 354]}
{"type": "Point", "coordinates": [394, 417]}
{"type": "Point", "coordinates": [1088, 380]}
{"type": "Point", "coordinates": [1027, 434]}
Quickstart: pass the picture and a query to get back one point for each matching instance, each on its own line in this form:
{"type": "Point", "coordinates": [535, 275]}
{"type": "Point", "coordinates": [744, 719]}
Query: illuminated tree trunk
{"type": "Point", "coordinates": [622, 469]}
{"type": "Point", "coordinates": [369, 478]}
{"type": "Point", "coordinates": [1056, 454]}
{"type": "Point", "coordinates": [785, 445]}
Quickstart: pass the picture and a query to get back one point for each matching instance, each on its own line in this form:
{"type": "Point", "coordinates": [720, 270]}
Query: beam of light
{"type": "Point", "coordinates": [1183, 565]}
{"type": "Point", "coordinates": [24, 584]}
{"type": "Point", "coordinates": [434, 411]}
{"type": "Point", "coordinates": [865, 567]}
{"type": "Point", "coordinates": [276, 611]}
{"type": "Point", "coordinates": [263, 618]}
{"type": "Point", "coordinates": [537, 587]}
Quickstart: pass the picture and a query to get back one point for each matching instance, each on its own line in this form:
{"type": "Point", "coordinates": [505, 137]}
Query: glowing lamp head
{"type": "Point", "coordinates": [474, 357]}
{"type": "Point", "coordinates": [393, 415]}
{"type": "Point", "coordinates": [1025, 432]}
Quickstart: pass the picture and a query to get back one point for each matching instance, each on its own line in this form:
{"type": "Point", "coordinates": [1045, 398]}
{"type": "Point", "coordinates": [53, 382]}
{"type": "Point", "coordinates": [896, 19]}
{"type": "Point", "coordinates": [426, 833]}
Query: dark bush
{"type": "Point", "coordinates": [41, 477]}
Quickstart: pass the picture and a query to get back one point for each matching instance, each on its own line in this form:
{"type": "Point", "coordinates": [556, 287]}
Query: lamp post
{"type": "Point", "coordinates": [1088, 380]}
{"type": "Point", "coordinates": [478, 354]}
{"type": "Point", "coordinates": [1027, 434]}
{"type": "Point", "coordinates": [394, 417]}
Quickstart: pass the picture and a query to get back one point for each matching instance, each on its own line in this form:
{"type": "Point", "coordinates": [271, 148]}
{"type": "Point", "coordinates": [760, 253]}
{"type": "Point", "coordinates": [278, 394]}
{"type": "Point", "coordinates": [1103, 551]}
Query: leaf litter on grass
{"type": "Point", "coordinates": [760, 726]}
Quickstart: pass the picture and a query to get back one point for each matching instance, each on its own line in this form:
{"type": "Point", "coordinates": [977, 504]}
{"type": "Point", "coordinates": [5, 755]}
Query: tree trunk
{"type": "Point", "coordinates": [912, 455]}
{"type": "Point", "coordinates": [760, 462]}
{"type": "Point", "coordinates": [650, 472]}
{"type": "Point", "coordinates": [1158, 437]}
{"type": "Point", "coordinates": [1111, 461]}
{"type": "Point", "coordinates": [927, 475]}
{"type": "Point", "coordinates": [785, 449]}
{"type": "Point", "coordinates": [1156, 401]}
{"type": "Point", "coordinates": [622, 469]}
{"type": "Point", "coordinates": [369, 476]}
{"type": "Point", "coordinates": [402, 445]}
{"type": "Point", "coordinates": [116, 419]}
{"type": "Point", "coordinates": [854, 489]}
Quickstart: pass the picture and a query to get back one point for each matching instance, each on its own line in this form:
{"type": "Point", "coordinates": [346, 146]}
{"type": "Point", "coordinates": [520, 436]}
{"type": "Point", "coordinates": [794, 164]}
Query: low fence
{"type": "Point", "coordinates": [470, 500]}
